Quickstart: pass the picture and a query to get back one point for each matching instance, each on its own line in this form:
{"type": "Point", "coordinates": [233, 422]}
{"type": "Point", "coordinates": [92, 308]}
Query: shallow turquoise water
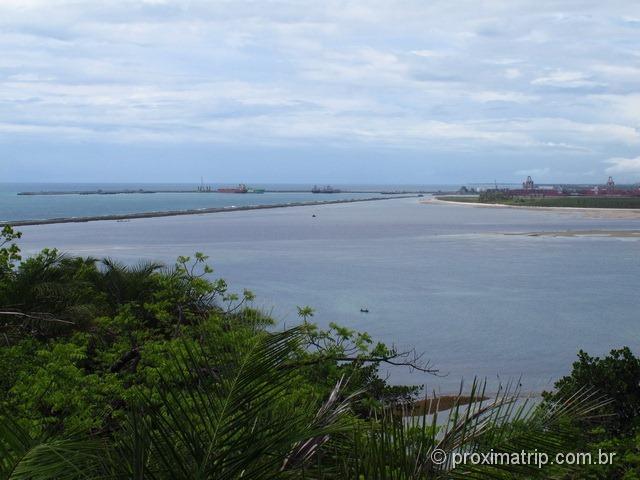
{"type": "Point", "coordinates": [441, 278]}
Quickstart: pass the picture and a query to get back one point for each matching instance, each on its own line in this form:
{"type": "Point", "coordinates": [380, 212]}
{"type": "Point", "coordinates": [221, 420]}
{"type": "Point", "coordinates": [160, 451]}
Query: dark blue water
{"type": "Point", "coordinates": [444, 279]}
{"type": "Point", "coordinates": [22, 207]}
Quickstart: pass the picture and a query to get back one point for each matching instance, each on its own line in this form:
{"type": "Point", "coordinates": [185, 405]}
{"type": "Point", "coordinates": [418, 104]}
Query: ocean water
{"type": "Point", "coordinates": [38, 207]}
{"type": "Point", "coordinates": [446, 280]}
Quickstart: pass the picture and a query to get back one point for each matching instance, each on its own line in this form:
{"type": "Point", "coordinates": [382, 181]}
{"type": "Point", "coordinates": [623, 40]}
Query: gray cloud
{"type": "Point", "coordinates": [624, 166]}
{"type": "Point", "coordinates": [524, 78]}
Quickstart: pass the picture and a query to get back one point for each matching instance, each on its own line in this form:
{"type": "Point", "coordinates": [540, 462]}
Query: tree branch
{"type": "Point", "coordinates": [131, 355]}
{"type": "Point", "coordinates": [45, 317]}
{"type": "Point", "coordinates": [391, 360]}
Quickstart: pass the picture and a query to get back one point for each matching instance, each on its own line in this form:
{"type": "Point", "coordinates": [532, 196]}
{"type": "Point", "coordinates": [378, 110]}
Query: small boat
{"type": "Point", "coordinates": [364, 310]}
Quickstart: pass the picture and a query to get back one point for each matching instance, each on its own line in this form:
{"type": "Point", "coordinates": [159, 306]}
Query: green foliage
{"type": "Point", "coordinates": [336, 352]}
{"type": "Point", "coordinates": [401, 448]}
{"type": "Point", "coordinates": [493, 196]}
{"type": "Point", "coordinates": [61, 394]}
{"type": "Point", "coordinates": [305, 312]}
{"type": "Point", "coordinates": [213, 413]}
{"type": "Point", "coordinates": [227, 416]}
{"type": "Point", "coordinates": [26, 456]}
{"type": "Point", "coordinates": [9, 250]}
{"type": "Point", "coordinates": [616, 428]}
{"type": "Point", "coordinates": [83, 333]}
{"type": "Point", "coordinates": [618, 375]}
{"type": "Point", "coordinates": [142, 371]}
{"type": "Point", "coordinates": [506, 198]}
{"type": "Point", "coordinates": [459, 198]}
{"type": "Point", "coordinates": [579, 202]}
{"type": "Point", "coordinates": [79, 334]}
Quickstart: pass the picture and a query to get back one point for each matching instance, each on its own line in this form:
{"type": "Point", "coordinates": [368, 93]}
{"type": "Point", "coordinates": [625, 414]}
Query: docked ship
{"type": "Point", "coordinates": [327, 189]}
{"type": "Point", "coordinates": [242, 188]}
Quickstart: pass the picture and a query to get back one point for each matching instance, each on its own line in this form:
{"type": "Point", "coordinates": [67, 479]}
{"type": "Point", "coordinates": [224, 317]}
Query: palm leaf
{"type": "Point", "coordinates": [401, 447]}
{"type": "Point", "coordinates": [222, 414]}
{"type": "Point", "coordinates": [25, 457]}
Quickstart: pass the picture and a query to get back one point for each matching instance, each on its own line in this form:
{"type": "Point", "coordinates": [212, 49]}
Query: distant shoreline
{"type": "Point", "coordinates": [582, 233]}
{"type": "Point", "coordinates": [609, 202]}
{"type": "Point", "coordinates": [592, 212]}
{"type": "Point", "coordinates": [142, 191]}
{"type": "Point", "coordinates": [173, 213]}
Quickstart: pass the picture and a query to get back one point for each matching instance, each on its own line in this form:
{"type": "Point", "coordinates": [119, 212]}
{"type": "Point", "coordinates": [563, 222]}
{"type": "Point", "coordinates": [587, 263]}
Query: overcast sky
{"type": "Point", "coordinates": [364, 91]}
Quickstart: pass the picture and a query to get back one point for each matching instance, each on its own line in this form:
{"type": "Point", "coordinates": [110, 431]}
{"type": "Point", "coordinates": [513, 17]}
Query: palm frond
{"type": "Point", "coordinates": [124, 283]}
{"type": "Point", "coordinates": [24, 457]}
{"type": "Point", "coordinates": [222, 414]}
{"type": "Point", "coordinates": [403, 447]}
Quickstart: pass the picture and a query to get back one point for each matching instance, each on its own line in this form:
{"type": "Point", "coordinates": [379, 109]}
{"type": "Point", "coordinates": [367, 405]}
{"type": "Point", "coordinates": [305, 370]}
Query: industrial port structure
{"type": "Point", "coordinates": [530, 189]}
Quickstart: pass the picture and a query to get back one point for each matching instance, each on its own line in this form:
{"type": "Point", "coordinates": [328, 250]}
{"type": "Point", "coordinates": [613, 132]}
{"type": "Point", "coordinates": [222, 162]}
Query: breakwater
{"type": "Point", "coordinates": [145, 191]}
{"type": "Point", "coordinates": [99, 192]}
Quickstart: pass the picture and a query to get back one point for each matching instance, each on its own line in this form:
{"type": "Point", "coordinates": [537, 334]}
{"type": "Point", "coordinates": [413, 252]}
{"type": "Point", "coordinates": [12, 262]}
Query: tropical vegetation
{"type": "Point", "coordinates": [147, 371]}
{"type": "Point", "coordinates": [505, 198]}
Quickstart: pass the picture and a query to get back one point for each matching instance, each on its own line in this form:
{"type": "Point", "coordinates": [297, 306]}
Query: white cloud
{"type": "Point", "coordinates": [623, 108]}
{"type": "Point", "coordinates": [512, 73]}
{"type": "Point", "coordinates": [428, 53]}
{"type": "Point", "coordinates": [623, 71]}
{"type": "Point", "coordinates": [565, 79]}
{"type": "Point", "coordinates": [514, 97]}
{"type": "Point", "coordinates": [561, 131]}
{"type": "Point", "coordinates": [626, 166]}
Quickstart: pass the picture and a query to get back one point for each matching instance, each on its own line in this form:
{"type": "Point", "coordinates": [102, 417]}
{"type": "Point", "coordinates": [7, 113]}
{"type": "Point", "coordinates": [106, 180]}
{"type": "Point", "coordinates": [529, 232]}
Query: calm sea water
{"type": "Point", "coordinates": [38, 207]}
{"type": "Point", "coordinates": [444, 279]}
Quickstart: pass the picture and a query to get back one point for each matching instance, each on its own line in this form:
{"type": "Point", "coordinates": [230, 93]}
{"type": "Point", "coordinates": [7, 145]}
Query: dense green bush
{"type": "Point", "coordinates": [493, 196]}
{"type": "Point", "coordinates": [615, 427]}
{"type": "Point", "coordinates": [80, 333]}
{"type": "Point", "coordinates": [146, 371]}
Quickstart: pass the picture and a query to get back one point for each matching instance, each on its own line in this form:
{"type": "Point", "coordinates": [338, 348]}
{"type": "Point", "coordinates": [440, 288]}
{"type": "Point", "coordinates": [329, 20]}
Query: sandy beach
{"type": "Point", "coordinates": [621, 213]}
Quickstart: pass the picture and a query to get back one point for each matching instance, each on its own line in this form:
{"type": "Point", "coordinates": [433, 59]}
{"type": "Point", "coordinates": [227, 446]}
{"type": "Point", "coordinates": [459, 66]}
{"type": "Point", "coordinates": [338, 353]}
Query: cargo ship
{"type": "Point", "coordinates": [239, 189]}
{"type": "Point", "coordinates": [327, 189]}
{"type": "Point", "coordinates": [242, 188]}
